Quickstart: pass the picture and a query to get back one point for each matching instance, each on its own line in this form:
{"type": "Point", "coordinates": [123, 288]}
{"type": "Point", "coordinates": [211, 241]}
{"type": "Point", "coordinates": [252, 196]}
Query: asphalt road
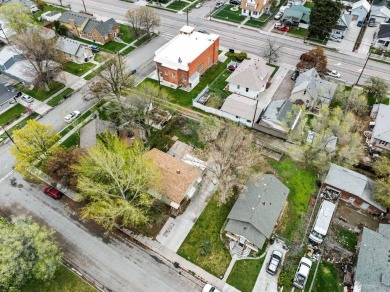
{"type": "Point", "coordinates": [116, 265]}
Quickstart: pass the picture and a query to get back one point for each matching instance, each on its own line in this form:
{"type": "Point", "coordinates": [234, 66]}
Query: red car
{"type": "Point", "coordinates": [52, 192]}
{"type": "Point", "coordinates": [283, 28]}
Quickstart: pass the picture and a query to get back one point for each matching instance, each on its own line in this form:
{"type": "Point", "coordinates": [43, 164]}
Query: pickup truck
{"type": "Point", "coordinates": [302, 273]}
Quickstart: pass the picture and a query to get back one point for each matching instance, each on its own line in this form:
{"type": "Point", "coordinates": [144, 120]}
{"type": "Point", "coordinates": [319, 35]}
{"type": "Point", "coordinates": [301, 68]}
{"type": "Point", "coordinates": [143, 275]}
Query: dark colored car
{"type": "Point", "coordinates": [360, 23]}
{"type": "Point", "coordinates": [371, 22]}
{"type": "Point", "coordinates": [235, 2]}
{"type": "Point", "coordinates": [232, 68]}
{"type": "Point", "coordinates": [295, 75]}
{"type": "Point", "coordinates": [52, 192]}
{"type": "Point", "coordinates": [203, 31]}
{"type": "Point", "coordinates": [95, 49]}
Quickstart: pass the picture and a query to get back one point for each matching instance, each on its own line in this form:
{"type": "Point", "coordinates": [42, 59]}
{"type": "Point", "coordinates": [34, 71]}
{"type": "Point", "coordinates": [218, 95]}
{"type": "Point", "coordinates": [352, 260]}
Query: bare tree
{"type": "Point", "coordinates": [99, 90]}
{"type": "Point", "coordinates": [271, 51]}
{"type": "Point", "coordinates": [133, 17]}
{"type": "Point", "coordinates": [45, 62]}
{"type": "Point", "coordinates": [149, 19]}
{"type": "Point", "coordinates": [117, 76]}
{"type": "Point", "coordinates": [315, 58]}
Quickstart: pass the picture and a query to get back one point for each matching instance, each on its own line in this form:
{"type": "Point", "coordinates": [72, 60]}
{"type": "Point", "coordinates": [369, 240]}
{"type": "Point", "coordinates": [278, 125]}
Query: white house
{"type": "Point", "coordinates": [342, 25]}
{"type": "Point", "coordinates": [360, 10]}
{"type": "Point", "coordinates": [382, 40]}
{"type": "Point", "coordinates": [250, 78]}
{"type": "Point", "coordinates": [380, 138]}
{"type": "Point", "coordinates": [380, 13]}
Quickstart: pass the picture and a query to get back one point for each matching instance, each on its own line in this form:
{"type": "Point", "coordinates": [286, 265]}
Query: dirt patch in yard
{"type": "Point", "coordinates": [285, 88]}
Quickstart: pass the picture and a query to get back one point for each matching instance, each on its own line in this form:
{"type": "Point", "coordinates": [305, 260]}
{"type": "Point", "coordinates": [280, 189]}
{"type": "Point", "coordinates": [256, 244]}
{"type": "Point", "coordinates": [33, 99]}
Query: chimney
{"type": "Point", "coordinates": [178, 171]}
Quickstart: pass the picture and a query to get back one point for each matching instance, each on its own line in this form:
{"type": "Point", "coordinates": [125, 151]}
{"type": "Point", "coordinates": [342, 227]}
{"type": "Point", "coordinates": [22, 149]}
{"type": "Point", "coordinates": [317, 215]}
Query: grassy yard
{"type": "Point", "coordinates": [177, 5]}
{"type": "Point", "coordinates": [347, 239]}
{"type": "Point", "coordinates": [328, 279]}
{"type": "Point", "coordinates": [276, 69]}
{"type": "Point", "coordinates": [41, 93]}
{"type": "Point", "coordinates": [127, 33]}
{"type": "Point", "coordinates": [309, 4]}
{"type": "Point", "coordinates": [99, 57]}
{"type": "Point", "coordinates": [78, 69]}
{"type": "Point", "coordinates": [203, 245]}
{"type": "Point", "coordinates": [72, 140]}
{"type": "Point", "coordinates": [226, 14]}
{"type": "Point", "coordinates": [127, 51]}
{"type": "Point", "coordinates": [20, 125]}
{"type": "Point", "coordinates": [256, 23]}
{"type": "Point", "coordinates": [11, 114]}
{"type": "Point", "coordinates": [111, 47]}
{"type": "Point", "coordinates": [301, 32]}
{"type": "Point", "coordinates": [94, 73]}
{"type": "Point", "coordinates": [63, 281]}
{"type": "Point", "coordinates": [244, 274]}
{"type": "Point", "coordinates": [185, 98]}
{"type": "Point", "coordinates": [55, 100]}
{"type": "Point", "coordinates": [219, 84]}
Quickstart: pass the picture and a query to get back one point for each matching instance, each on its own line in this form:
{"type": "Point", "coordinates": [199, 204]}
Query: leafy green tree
{"type": "Point", "coordinates": [27, 251]}
{"type": "Point", "coordinates": [18, 17]}
{"type": "Point", "coordinates": [115, 180]}
{"type": "Point", "coordinates": [323, 17]}
{"type": "Point", "coordinates": [35, 141]}
{"type": "Point", "coordinates": [382, 169]}
{"type": "Point", "coordinates": [376, 89]}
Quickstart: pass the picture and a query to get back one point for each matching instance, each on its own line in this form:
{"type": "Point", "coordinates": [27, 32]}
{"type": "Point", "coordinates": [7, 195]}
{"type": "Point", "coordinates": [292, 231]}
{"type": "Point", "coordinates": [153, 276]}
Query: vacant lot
{"type": "Point", "coordinates": [328, 279]}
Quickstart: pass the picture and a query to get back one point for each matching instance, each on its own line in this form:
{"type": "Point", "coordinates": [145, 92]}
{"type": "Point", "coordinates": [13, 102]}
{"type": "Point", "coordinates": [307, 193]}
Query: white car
{"type": "Point", "coordinates": [274, 262]}
{"type": "Point", "coordinates": [278, 15]}
{"type": "Point", "coordinates": [334, 73]}
{"type": "Point", "coordinates": [278, 24]}
{"type": "Point", "coordinates": [219, 4]}
{"type": "Point", "coordinates": [210, 288]}
{"type": "Point", "coordinates": [27, 98]}
{"type": "Point", "coordinates": [198, 5]}
{"type": "Point", "coordinates": [334, 38]}
{"type": "Point", "coordinates": [72, 116]}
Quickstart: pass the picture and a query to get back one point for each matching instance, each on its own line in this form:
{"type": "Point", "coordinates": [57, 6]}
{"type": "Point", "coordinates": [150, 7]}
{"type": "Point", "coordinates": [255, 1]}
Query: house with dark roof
{"type": "Point", "coordinates": [342, 25]}
{"type": "Point", "coordinates": [278, 118]}
{"type": "Point", "coordinates": [75, 51]}
{"type": "Point", "coordinates": [382, 40]}
{"type": "Point", "coordinates": [353, 187]}
{"type": "Point", "coordinates": [311, 90]}
{"type": "Point", "coordinates": [87, 27]}
{"type": "Point", "coordinates": [380, 136]}
{"type": "Point", "coordinates": [372, 271]}
{"type": "Point", "coordinates": [255, 213]}
{"type": "Point", "coordinates": [295, 15]}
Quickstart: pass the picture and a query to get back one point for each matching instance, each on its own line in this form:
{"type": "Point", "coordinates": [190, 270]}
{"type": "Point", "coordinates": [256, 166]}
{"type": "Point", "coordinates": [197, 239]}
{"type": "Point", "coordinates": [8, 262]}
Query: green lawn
{"type": "Point", "coordinates": [41, 93]}
{"type": "Point", "coordinates": [244, 274]}
{"type": "Point", "coordinates": [255, 23]}
{"type": "Point", "coordinates": [11, 114]}
{"type": "Point", "coordinates": [301, 32]}
{"type": "Point", "coordinates": [185, 98]}
{"type": "Point", "coordinates": [347, 239]}
{"type": "Point", "coordinates": [276, 69]}
{"type": "Point", "coordinates": [20, 125]}
{"type": "Point", "coordinates": [94, 73]}
{"type": "Point", "coordinates": [177, 5]}
{"type": "Point", "coordinates": [111, 47]}
{"type": "Point", "coordinates": [226, 14]}
{"type": "Point", "coordinates": [55, 100]}
{"type": "Point", "coordinates": [309, 4]}
{"type": "Point", "coordinates": [78, 69]}
{"type": "Point", "coordinates": [72, 140]}
{"type": "Point", "coordinates": [127, 33]}
{"type": "Point", "coordinates": [203, 245]}
{"type": "Point", "coordinates": [220, 84]}
{"type": "Point", "coordinates": [63, 281]}
{"type": "Point", "coordinates": [99, 57]}
{"type": "Point", "coordinates": [127, 51]}
{"type": "Point", "coordinates": [301, 183]}
{"type": "Point", "coordinates": [328, 279]}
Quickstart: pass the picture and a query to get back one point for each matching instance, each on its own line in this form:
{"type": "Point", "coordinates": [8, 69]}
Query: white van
{"type": "Point", "coordinates": [321, 225]}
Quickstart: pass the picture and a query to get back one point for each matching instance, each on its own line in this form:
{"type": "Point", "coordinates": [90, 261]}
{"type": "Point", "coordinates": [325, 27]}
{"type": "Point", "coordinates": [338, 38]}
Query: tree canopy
{"type": "Point", "coordinates": [18, 17]}
{"type": "Point", "coordinates": [314, 58]}
{"type": "Point", "coordinates": [27, 251]}
{"type": "Point", "coordinates": [115, 179]}
{"type": "Point", "coordinates": [323, 17]}
{"type": "Point", "coordinates": [376, 89]}
{"type": "Point", "coordinates": [381, 167]}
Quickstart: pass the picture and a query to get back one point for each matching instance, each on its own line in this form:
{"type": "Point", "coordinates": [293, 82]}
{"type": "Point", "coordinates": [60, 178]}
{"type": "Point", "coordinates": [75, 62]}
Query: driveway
{"type": "Point", "coordinates": [36, 106]}
{"type": "Point", "coordinates": [266, 282]}
{"type": "Point", "coordinates": [368, 39]}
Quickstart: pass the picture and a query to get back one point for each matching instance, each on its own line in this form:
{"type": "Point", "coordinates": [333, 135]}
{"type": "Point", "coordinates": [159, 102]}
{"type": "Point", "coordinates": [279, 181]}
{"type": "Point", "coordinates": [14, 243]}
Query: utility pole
{"type": "Point", "coordinates": [8, 135]}
{"type": "Point", "coordinates": [361, 72]}
{"type": "Point", "coordinates": [1, 28]}
{"type": "Point", "coordinates": [85, 9]}
{"type": "Point", "coordinates": [187, 15]}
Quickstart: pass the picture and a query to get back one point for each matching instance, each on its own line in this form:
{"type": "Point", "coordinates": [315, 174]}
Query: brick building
{"type": "Point", "coordinates": [87, 27]}
{"type": "Point", "coordinates": [186, 57]}
{"type": "Point", "coordinates": [353, 187]}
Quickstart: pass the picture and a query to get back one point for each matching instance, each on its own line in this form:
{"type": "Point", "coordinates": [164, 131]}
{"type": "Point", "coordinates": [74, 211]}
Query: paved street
{"type": "Point", "coordinates": [114, 264]}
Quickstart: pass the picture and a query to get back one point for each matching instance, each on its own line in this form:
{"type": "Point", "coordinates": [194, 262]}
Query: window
{"type": "Point", "coordinates": [173, 75]}
{"type": "Point", "coordinates": [243, 11]}
{"type": "Point", "coordinates": [238, 86]}
{"type": "Point", "coordinates": [254, 13]}
{"type": "Point", "coordinates": [200, 67]}
{"type": "Point", "coordinates": [184, 77]}
{"type": "Point", "coordinates": [247, 89]}
{"type": "Point", "coordinates": [381, 41]}
{"type": "Point", "coordinates": [209, 59]}
{"type": "Point", "coordinates": [166, 72]}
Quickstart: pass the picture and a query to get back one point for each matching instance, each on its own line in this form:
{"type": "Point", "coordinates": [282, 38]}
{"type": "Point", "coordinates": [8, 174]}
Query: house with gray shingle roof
{"type": "Point", "coordinates": [380, 137]}
{"type": "Point", "coordinates": [86, 26]}
{"type": "Point", "coordinates": [296, 14]}
{"type": "Point", "coordinates": [372, 272]}
{"type": "Point", "coordinates": [250, 77]}
{"type": "Point", "coordinates": [382, 40]}
{"type": "Point", "coordinates": [75, 51]}
{"type": "Point", "coordinates": [342, 25]}
{"type": "Point", "coordinates": [256, 212]}
{"type": "Point", "coordinates": [311, 90]}
{"type": "Point", "coordinates": [353, 187]}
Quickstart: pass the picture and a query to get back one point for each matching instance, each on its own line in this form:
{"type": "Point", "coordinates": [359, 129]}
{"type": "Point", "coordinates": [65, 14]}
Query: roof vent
{"type": "Point", "coordinates": [178, 171]}
{"type": "Point", "coordinates": [179, 60]}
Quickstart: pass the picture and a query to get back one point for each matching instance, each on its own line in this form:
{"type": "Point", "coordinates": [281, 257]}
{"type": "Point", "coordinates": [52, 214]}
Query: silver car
{"type": "Point", "coordinates": [72, 116]}
{"type": "Point", "coordinates": [27, 98]}
{"type": "Point", "coordinates": [274, 262]}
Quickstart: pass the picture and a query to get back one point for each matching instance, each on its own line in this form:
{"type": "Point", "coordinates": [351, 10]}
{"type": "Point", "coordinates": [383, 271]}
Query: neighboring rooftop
{"type": "Point", "coordinates": [384, 229]}
{"type": "Point", "coordinates": [180, 149]}
{"type": "Point", "coordinates": [71, 47]}
{"type": "Point", "coordinates": [297, 13]}
{"type": "Point", "coordinates": [384, 31]}
{"type": "Point", "coordinates": [381, 129]}
{"type": "Point", "coordinates": [331, 141]}
{"type": "Point", "coordinates": [253, 74]}
{"type": "Point", "coordinates": [89, 131]}
{"type": "Point", "coordinates": [79, 18]}
{"type": "Point", "coordinates": [257, 209]}
{"type": "Point", "coordinates": [362, 3]}
{"type": "Point", "coordinates": [344, 21]}
{"type": "Point", "coordinates": [276, 115]}
{"type": "Point", "coordinates": [177, 177]}
{"type": "Point", "coordinates": [184, 49]}
{"type": "Point", "coordinates": [373, 264]}
{"type": "Point", "coordinates": [240, 106]}
{"type": "Point", "coordinates": [380, 11]}
{"type": "Point", "coordinates": [352, 182]}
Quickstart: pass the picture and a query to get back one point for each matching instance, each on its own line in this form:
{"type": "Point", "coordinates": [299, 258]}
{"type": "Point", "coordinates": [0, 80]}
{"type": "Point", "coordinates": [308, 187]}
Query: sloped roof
{"type": "Point", "coordinates": [373, 265]}
{"type": "Point", "coordinates": [380, 11]}
{"type": "Point", "coordinates": [363, 3]}
{"type": "Point", "coordinates": [384, 229]}
{"type": "Point", "coordinates": [384, 31]}
{"type": "Point", "coordinates": [79, 18]}
{"type": "Point", "coordinates": [345, 20]}
{"type": "Point", "coordinates": [253, 74]}
{"type": "Point", "coordinates": [257, 208]}
{"type": "Point", "coordinates": [105, 27]}
{"type": "Point", "coordinates": [240, 106]}
{"type": "Point", "coordinates": [381, 129]}
{"type": "Point", "coordinates": [275, 115]}
{"type": "Point", "coordinates": [311, 82]}
{"type": "Point", "coordinates": [91, 24]}
{"type": "Point", "coordinates": [176, 176]}
{"type": "Point", "coordinates": [299, 12]}
{"type": "Point", "coordinates": [352, 182]}
{"type": "Point", "coordinates": [89, 131]}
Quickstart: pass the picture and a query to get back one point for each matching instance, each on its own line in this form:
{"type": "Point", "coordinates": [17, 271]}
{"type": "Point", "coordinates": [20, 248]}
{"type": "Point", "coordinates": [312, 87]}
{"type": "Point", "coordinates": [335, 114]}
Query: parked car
{"type": "Point", "coordinates": [232, 68]}
{"type": "Point", "coordinates": [371, 22]}
{"type": "Point", "coordinates": [360, 23]}
{"type": "Point", "coordinates": [27, 98]}
{"type": "Point", "coordinates": [219, 4]}
{"type": "Point", "coordinates": [198, 5]}
{"type": "Point", "coordinates": [278, 24]}
{"type": "Point", "coordinates": [95, 49]}
{"type": "Point", "coordinates": [295, 75]}
{"type": "Point", "coordinates": [203, 31]}
{"type": "Point", "coordinates": [52, 192]}
{"type": "Point", "coordinates": [235, 2]}
{"type": "Point", "coordinates": [284, 28]}
{"type": "Point", "coordinates": [334, 73]}
{"type": "Point", "coordinates": [274, 262]}
{"type": "Point", "coordinates": [72, 116]}
{"type": "Point", "coordinates": [209, 288]}
{"type": "Point", "coordinates": [278, 15]}
{"type": "Point", "coordinates": [302, 273]}
{"type": "Point", "coordinates": [334, 38]}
